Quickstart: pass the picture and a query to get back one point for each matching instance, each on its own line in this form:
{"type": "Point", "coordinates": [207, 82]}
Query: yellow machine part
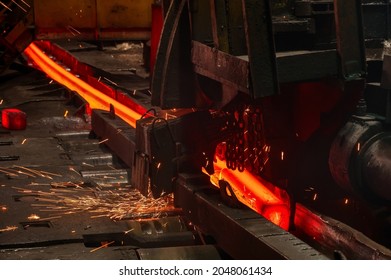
{"type": "Point", "coordinates": [93, 19]}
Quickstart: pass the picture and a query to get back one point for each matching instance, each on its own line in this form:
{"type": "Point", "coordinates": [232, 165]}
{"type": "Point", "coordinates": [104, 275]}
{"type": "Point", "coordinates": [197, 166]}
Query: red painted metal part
{"type": "Point", "coordinates": [13, 119]}
{"type": "Point", "coordinates": [156, 31]}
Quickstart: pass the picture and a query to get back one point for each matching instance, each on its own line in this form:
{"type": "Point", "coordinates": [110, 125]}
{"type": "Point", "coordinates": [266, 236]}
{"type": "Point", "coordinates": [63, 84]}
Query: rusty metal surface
{"type": "Point", "coordinates": [220, 66]}
{"type": "Point", "coordinates": [124, 13]}
{"type": "Point", "coordinates": [54, 14]}
{"type": "Point", "coordinates": [91, 19]}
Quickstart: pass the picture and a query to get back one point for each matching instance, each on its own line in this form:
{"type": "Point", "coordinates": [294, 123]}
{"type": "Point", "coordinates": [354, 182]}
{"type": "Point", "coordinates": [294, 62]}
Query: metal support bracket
{"type": "Point", "coordinates": [349, 29]}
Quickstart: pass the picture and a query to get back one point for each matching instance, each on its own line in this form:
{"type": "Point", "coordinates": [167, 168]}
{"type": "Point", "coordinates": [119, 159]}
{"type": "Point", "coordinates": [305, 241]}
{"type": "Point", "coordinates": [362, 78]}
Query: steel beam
{"type": "Point", "coordinates": [350, 38]}
{"type": "Point", "coordinates": [220, 66]}
{"type": "Point", "coordinates": [174, 81]}
{"type": "Point", "coordinates": [260, 47]}
{"type": "Point", "coordinates": [119, 136]}
{"type": "Point", "coordinates": [234, 71]}
{"type": "Point", "coordinates": [241, 233]}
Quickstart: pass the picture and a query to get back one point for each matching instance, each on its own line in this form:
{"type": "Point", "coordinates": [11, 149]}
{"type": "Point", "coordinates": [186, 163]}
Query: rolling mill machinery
{"type": "Point", "coordinates": [283, 106]}
{"type": "Point", "coordinates": [295, 118]}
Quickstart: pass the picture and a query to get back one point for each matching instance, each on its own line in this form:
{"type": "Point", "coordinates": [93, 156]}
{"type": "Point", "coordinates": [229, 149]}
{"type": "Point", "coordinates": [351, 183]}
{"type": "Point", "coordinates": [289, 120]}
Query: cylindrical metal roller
{"type": "Point", "coordinates": [360, 158]}
{"type": "Point", "coordinates": [376, 166]}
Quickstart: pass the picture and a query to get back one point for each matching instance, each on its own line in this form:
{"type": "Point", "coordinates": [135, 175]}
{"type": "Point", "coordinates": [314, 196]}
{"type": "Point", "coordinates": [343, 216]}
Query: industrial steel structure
{"type": "Point", "coordinates": [262, 131]}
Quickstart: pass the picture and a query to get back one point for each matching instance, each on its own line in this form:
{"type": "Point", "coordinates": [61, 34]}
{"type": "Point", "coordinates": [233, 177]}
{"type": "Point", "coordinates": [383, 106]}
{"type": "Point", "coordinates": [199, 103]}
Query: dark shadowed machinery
{"type": "Point", "coordinates": [260, 129]}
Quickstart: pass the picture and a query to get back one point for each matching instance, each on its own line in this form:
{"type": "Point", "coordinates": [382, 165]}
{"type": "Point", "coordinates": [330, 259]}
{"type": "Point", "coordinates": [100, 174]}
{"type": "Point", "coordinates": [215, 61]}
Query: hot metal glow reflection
{"type": "Point", "coordinates": [95, 98]}
{"type": "Point", "coordinates": [254, 192]}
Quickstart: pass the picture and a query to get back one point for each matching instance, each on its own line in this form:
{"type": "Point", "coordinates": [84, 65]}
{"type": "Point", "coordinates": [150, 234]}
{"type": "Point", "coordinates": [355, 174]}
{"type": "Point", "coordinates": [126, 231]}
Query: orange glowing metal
{"type": "Point", "coordinates": [33, 217]}
{"type": "Point", "coordinates": [247, 183]}
{"type": "Point", "coordinates": [310, 223]}
{"type": "Point", "coordinates": [95, 98]}
{"type": "Point", "coordinates": [254, 192]}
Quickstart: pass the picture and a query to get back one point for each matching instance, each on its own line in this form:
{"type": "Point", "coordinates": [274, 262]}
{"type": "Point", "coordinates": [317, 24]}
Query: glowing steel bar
{"type": "Point", "coordinates": [254, 192]}
{"type": "Point", "coordinates": [95, 98]}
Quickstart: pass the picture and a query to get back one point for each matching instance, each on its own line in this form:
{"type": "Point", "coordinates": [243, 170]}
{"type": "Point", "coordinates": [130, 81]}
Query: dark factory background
{"type": "Point", "coordinates": [190, 129]}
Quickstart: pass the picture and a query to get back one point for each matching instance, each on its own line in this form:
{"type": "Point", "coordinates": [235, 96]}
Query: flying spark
{"type": "Point", "coordinates": [105, 245]}
{"type": "Point", "coordinates": [9, 228]}
{"type": "Point", "coordinates": [25, 3]}
{"type": "Point", "coordinates": [33, 217]}
{"type": "Point", "coordinates": [5, 6]}
{"type": "Point", "coordinates": [103, 141]}
{"type": "Point", "coordinates": [20, 7]}
{"type": "Point", "coordinates": [110, 81]}
{"type": "Point", "coordinates": [71, 29]}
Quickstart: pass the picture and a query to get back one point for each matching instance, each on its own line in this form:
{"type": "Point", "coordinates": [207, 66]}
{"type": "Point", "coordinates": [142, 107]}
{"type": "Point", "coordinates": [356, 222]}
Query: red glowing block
{"type": "Point", "coordinates": [13, 119]}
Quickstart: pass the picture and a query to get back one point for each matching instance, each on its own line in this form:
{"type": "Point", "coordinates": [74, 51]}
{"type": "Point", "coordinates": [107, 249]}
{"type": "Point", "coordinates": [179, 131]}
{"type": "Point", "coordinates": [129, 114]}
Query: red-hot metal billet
{"type": "Point", "coordinates": [13, 119]}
